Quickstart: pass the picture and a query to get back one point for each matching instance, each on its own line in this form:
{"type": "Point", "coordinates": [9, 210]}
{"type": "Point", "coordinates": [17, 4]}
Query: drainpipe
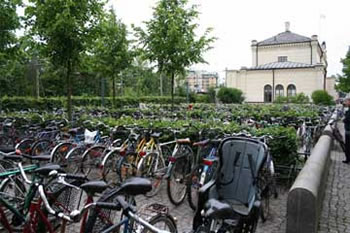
{"type": "Point", "coordinates": [273, 85]}
{"type": "Point", "coordinates": [257, 60]}
{"type": "Point", "coordinates": [325, 79]}
{"type": "Point", "coordinates": [310, 53]}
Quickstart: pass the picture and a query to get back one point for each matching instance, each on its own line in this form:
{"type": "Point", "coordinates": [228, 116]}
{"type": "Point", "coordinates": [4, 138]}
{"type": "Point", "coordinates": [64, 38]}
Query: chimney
{"type": "Point", "coordinates": [254, 42]}
{"type": "Point", "coordinates": [314, 37]}
{"type": "Point", "coordinates": [287, 25]}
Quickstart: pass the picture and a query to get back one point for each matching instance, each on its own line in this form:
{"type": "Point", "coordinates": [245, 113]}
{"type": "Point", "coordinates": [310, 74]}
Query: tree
{"type": "Point", "coordinates": [169, 39]}
{"type": "Point", "coordinates": [64, 27]}
{"type": "Point", "coordinates": [229, 95]}
{"type": "Point", "coordinates": [344, 80]}
{"type": "Point", "coordinates": [111, 48]}
{"type": "Point", "coordinates": [9, 64]}
{"type": "Point", "coordinates": [321, 97]}
{"type": "Point", "coordinates": [9, 23]}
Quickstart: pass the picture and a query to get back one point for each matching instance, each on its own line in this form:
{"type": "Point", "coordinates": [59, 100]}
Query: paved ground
{"type": "Point", "coordinates": [336, 205]}
{"type": "Point", "coordinates": [184, 214]}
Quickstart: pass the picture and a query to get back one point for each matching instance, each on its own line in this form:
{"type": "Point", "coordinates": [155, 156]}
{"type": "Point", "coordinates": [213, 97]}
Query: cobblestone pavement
{"type": "Point", "coordinates": [336, 205]}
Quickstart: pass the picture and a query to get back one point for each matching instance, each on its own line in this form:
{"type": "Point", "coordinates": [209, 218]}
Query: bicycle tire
{"type": "Point", "coordinates": [25, 145]}
{"type": "Point", "coordinates": [100, 219]}
{"type": "Point", "coordinates": [91, 159]}
{"type": "Point", "coordinates": [109, 170]}
{"type": "Point", "coordinates": [72, 158]}
{"type": "Point", "coordinates": [41, 147]}
{"type": "Point", "coordinates": [148, 168]}
{"type": "Point", "coordinates": [193, 186]}
{"type": "Point", "coordinates": [59, 152]}
{"type": "Point", "coordinates": [176, 184]}
{"type": "Point", "coordinates": [126, 166]}
{"type": "Point", "coordinates": [177, 181]}
{"type": "Point", "coordinates": [162, 219]}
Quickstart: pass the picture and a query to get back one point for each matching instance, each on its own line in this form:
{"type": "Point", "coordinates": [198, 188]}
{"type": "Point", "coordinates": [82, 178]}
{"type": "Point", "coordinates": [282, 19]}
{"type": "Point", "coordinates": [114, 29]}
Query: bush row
{"type": "Point", "coordinates": [22, 103]}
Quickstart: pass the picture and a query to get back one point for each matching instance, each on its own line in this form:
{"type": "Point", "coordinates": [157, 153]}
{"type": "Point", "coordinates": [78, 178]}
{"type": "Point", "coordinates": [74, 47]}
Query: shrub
{"type": "Point", "coordinates": [230, 95]}
{"type": "Point", "coordinates": [300, 98]}
{"type": "Point", "coordinates": [22, 103]}
{"type": "Point", "coordinates": [321, 97]}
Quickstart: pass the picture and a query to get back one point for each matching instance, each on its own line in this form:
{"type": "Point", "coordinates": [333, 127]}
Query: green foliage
{"type": "Point", "coordinates": [344, 79]}
{"type": "Point", "coordinates": [21, 103]}
{"type": "Point", "coordinates": [300, 98]}
{"type": "Point", "coordinates": [169, 39]}
{"type": "Point", "coordinates": [65, 28]}
{"type": "Point", "coordinates": [211, 95]}
{"type": "Point", "coordinates": [9, 22]}
{"type": "Point", "coordinates": [111, 48]}
{"type": "Point", "coordinates": [284, 146]}
{"type": "Point", "coordinates": [321, 97]}
{"type": "Point", "coordinates": [229, 95]}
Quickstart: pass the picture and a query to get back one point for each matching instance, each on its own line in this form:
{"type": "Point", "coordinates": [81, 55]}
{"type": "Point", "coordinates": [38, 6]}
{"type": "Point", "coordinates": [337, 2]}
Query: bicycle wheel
{"type": "Point", "coordinates": [202, 229]}
{"type": "Point", "coordinates": [193, 186]}
{"type": "Point", "coordinates": [162, 222]}
{"type": "Point", "coordinates": [13, 191]}
{"type": "Point", "coordinates": [126, 166]}
{"type": "Point", "coordinates": [109, 168]}
{"type": "Point", "coordinates": [177, 181]}
{"type": "Point", "coordinates": [91, 160]}
{"type": "Point", "coordinates": [265, 204]}
{"type": "Point", "coordinates": [152, 167]}
{"type": "Point", "coordinates": [59, 153]}
{"type": "Point", "coordinates": [41, 147]}
{"type": "Point", "coordinates": [176, 187]}
{"type": "Point", "coordinates": [72, 159]}
{"type": "Point", "coordinates": [100, 219]}
{"type": "Point", "coordinates": [25, 145]}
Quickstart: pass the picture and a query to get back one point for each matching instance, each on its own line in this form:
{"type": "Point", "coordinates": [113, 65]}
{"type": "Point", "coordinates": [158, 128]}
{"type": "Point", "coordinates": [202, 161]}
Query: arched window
{"type": "Point", "coordinates": [268, 93]}
{"type": "Point", "coordinates": [279, 90]}
{"type": "Point", "coordinates": [291, 90]}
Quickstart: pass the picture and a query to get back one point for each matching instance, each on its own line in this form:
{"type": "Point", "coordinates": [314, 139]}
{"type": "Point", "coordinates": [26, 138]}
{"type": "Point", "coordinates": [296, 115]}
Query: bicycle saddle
{"type": "Point", "coordinates": [7, 149]}
{"type": "Point", "coordinates": [135, 186]}
{"type": "Point", "coordinates": [46, 169]}
{"type": "Point", "coordinates": [215, 209]}
{"type": "Point", "coordinates": [94, 186]}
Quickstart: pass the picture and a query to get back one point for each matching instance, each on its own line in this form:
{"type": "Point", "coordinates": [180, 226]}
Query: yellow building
{"type": "Point", "coordinates": [200, 81]}
{"type": "Point", "coordinates": [283, 65]}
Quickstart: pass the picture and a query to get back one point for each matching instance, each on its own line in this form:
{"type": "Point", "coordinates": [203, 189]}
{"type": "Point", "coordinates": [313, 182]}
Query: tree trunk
{"type": "Point", "coordinates": [103, 91]}
{"type": "Point", "coordinates": [69, 91]}
{"type": "Point", "coordinates": [113, 92]}
{"type": "Point", "coordinates": [161, 83]}
{"type": "Point", "coordinates": [172, 90]}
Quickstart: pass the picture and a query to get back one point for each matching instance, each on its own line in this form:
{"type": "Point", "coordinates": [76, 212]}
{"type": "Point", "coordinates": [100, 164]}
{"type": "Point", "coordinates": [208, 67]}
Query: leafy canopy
{"type": "Point", "coordinates": [111, 46]}
{"type": "Point", "coordinates": [170, 40]}
{"type": "Point", "coordinates": [344, 80]}
{"type": "Point", "coordinates": [65, 27]}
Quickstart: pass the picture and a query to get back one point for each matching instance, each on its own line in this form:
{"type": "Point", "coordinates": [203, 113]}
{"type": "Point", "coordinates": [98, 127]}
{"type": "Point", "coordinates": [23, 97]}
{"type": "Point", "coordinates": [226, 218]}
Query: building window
{"type": "Point", "coordinates": [291, 90]}
{"type": "Point", "coordinates": [279, 90]}
{"type": "Point", "coordinates": [268, 94]}
{"type": "Point", "coordinates": [282, 59]}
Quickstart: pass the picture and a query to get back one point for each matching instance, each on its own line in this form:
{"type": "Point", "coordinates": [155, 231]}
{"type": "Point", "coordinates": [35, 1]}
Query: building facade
{"type": "Point", "coordinates": [283, 65]}
{"type": "Point", "coordinates": [201, 81]}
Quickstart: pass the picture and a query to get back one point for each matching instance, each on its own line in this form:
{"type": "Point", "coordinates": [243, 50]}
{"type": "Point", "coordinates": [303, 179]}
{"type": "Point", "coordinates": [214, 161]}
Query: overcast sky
{"type": "Point", "coordinates": [237, 22]}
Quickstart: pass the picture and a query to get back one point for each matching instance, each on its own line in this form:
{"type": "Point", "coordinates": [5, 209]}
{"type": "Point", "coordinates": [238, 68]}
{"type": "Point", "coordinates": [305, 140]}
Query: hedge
{"type": "Point", "coordinates": [22, 103]}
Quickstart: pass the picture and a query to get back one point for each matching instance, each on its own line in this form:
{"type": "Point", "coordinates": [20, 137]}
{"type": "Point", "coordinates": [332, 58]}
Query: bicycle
{"type": "Point", "coordinates": [204, 171]}
{"type": "Point", "coordinates": [25, 212]}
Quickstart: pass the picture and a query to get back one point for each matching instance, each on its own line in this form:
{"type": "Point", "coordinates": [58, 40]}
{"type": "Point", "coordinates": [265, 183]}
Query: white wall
{"type": "Point", "coordinates": [252, 82]}
{"type": "Point", "coordinates": [296, 53]}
